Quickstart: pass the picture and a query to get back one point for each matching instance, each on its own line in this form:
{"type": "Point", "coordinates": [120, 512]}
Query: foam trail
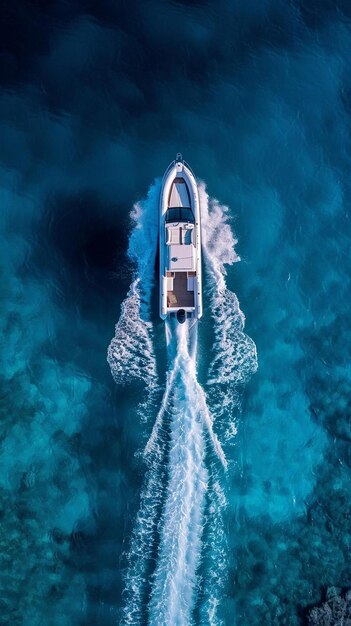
{"type": "Point", "coordinates": [206, 416]}
{"type": "Point", "coordinates": [173, 589]}
{"type": "Point", "coordinates": [131, 353]}
{"type": "Point", "coordinates": [176, 485]}
{"type": "Point", "coordinates": [180, 514]}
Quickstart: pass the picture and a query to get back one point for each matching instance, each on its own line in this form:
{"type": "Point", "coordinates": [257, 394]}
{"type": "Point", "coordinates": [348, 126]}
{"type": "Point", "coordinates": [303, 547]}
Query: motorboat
{"type": "Point", "coordinates": [180, 244]}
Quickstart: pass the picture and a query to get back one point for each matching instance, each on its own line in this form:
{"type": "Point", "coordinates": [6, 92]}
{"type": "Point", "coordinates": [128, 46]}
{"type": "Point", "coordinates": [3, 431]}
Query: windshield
{"type": "Point", "coordinates": [179, 215]}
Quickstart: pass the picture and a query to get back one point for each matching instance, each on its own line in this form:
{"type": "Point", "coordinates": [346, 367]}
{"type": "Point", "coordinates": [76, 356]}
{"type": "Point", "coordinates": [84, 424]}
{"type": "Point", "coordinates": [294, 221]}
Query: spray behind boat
{"type": "Point", "coordinates": [158, 587]}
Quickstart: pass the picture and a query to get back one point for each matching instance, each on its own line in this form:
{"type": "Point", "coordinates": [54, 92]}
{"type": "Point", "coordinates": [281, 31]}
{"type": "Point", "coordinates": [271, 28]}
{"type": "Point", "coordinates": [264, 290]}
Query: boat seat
{"type": "Point", "coordinates": [173, 236]}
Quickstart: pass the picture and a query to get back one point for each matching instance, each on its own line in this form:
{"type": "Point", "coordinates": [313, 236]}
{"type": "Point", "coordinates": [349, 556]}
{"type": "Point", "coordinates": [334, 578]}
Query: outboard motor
{"type": "Point", "coordinates": [181, 316]}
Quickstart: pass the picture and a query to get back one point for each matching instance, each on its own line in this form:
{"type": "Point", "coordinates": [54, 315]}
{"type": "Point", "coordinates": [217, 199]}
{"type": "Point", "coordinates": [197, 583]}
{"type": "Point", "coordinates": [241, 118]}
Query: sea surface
{"type": "Point", "coordinates": [150, 473]}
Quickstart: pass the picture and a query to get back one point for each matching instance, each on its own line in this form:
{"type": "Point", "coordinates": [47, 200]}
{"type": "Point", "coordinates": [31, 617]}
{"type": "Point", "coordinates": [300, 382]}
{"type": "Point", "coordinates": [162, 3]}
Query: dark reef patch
{"type": "Point", "coordinates": [335, 611]}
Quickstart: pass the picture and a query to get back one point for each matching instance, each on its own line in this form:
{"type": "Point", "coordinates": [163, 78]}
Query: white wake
{"type": "Point", "coordinates": [178, 528]}
{"type": "Point", "coordinates": [176, 360]}
{"type": "Point", "coordinates": [172, 595]}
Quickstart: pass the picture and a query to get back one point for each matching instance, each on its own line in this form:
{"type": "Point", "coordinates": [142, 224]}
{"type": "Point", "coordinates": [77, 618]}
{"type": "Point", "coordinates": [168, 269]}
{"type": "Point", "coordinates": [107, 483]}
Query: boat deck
{"type": "Point", "coordinates": [180, 297]}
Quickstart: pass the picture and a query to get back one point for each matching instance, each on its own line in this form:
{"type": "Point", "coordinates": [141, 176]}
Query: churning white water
{"type": "Point", "coordinates": [182, 495]}
{"type": "Point", "coordinates": [172, 593]}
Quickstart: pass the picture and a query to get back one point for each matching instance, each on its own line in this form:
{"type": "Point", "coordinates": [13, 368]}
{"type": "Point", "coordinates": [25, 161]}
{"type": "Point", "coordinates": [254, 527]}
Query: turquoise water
{"type": "Point", "coordinates": [95, 101]}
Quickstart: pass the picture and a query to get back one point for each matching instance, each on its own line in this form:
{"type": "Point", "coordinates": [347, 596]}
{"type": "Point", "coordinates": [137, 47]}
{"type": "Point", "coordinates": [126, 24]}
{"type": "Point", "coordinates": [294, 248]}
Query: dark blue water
{"type": "Point", "coordinates": [96, 99]}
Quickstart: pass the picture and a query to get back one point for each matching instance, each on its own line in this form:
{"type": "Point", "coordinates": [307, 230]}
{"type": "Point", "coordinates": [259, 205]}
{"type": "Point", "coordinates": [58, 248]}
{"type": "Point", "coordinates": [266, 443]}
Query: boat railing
{"type": "Point", "coordinates": [189, 168]}
{"type": "Point", "coordinates": [178, 159]}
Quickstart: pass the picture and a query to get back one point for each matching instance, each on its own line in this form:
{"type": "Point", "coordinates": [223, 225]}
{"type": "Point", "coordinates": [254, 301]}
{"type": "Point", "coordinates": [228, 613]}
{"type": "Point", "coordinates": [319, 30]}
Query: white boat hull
{"type": "Point", "coordinates": [180, 244]}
